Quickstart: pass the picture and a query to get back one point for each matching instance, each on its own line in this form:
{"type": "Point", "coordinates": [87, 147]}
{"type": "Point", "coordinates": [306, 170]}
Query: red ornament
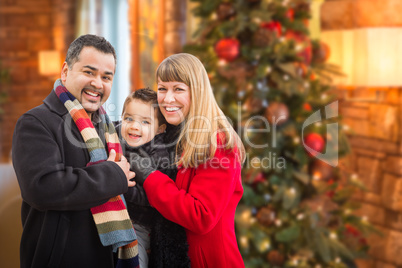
{"type": "Point", "coordinates": [314, 144]}
{"type": "Point", "coordinates": [290, 14]}
{"type": "Point", "coordinates": [254, 179]}
{"type": "Point", "coordinates": [306, 54]}
{"type": "Point", "coordinates": [228, 49]}
{"type": "Point", "coordinates": [307, 107]}
{"type": "Point", "coordinates": [330, 194]}
{"type": "Point", "coordinates": [352, 230]}
{"type": "Point", "coordinates": [259, 178]}
{"type": "Point", "coordinates": [295, 36]}
{"type": "Point", "coordinates": [273, 26]}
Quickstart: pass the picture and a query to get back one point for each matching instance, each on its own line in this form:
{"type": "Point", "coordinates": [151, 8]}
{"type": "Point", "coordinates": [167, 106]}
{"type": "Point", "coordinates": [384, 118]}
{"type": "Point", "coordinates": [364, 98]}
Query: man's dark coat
{"type": "Point", "coordinates": [58, 190]}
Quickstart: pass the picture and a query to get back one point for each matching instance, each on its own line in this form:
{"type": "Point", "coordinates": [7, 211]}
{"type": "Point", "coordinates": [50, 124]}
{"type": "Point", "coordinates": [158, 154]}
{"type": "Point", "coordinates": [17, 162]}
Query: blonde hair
{"type": "Point", "coordinates": [204, 113]}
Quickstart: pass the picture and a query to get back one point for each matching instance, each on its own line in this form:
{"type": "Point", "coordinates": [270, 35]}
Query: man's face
{"type": "Point", "coordinates": [90, 79]}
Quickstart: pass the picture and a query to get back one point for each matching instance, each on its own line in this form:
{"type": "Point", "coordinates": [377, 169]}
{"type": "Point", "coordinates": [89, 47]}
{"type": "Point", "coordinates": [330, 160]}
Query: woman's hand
{"type": "Point", "coordinates": [143, 166]}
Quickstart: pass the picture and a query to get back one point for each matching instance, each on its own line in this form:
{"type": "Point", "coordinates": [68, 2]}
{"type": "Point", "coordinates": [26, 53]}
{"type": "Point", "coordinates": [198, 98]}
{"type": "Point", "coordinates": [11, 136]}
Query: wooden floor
{"type": "Point", "coordinates": [10, 217]}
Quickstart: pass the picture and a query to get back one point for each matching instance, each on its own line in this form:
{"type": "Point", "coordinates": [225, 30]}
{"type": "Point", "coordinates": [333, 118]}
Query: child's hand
{"type": "Point", "coordinates": [143, 166]}
{"type": "Point", "coordinates": [124, 165]}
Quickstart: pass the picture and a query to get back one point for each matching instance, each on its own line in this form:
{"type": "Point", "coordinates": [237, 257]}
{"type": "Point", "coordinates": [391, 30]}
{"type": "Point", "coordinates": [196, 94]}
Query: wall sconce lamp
{"type": "Point", "coordinates": [49, 62]}
{"type": "Point", "coordinates": [370, 58]}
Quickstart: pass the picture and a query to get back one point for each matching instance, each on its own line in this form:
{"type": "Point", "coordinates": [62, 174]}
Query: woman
{"type": "Point", "coordinates": [207, 187]}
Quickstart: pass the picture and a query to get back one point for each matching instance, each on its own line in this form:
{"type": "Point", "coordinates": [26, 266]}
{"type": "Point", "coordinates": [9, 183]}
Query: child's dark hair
{"type": "Point", "coordinates": [146, 95]}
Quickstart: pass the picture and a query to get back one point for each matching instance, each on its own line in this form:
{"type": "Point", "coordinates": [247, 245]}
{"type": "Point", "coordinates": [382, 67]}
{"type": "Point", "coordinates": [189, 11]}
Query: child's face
{"type": "Point", "coordinates": [140, 123]}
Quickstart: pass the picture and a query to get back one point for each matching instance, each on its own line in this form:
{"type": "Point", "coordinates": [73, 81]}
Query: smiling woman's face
{"type": "Point", "coordinates": [174, 100]}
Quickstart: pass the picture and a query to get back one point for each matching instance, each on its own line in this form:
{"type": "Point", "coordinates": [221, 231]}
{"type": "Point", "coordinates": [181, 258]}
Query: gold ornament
{"type": "Point", "coordinates": [266, 216]}
{"type": "Point", "coordinates": [226, 11]}
{"type": "Point", "coordinates": [263, 37]}
{"type": "Point", "coordinates": [276, 258]}
{"type": "Point", "coordinates": [277, 113]}
{"type": "Point", "coordinates": [254, 105]}
{"type": "Point", "coordinates": [321, 170]}
{"type": "Point", "coordinates": [237, 71]}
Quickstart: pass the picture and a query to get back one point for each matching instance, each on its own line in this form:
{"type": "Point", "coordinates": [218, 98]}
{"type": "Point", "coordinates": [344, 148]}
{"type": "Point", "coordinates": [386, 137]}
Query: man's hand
{"type": "Point", "coordinates": [124, 165]}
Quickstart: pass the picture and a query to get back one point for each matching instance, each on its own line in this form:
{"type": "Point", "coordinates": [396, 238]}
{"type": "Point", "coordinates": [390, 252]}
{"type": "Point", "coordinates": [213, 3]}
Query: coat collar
{"type": "Point", "coordinates": [54, 104]}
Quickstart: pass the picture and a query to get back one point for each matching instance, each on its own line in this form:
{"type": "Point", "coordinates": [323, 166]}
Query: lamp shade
{"type": "Point", "coordinates": [49, 62]}
{"type": "Point", "coordinates": [370, 57]}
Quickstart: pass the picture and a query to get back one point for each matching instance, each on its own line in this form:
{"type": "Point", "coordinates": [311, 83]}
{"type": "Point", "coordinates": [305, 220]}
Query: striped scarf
{"type": "Point", "coordinates": [111, 218]}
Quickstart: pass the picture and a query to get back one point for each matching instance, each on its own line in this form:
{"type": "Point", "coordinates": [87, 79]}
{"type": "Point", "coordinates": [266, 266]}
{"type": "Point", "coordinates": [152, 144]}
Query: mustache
{"type": "Point", "coordinates": [94, 90]}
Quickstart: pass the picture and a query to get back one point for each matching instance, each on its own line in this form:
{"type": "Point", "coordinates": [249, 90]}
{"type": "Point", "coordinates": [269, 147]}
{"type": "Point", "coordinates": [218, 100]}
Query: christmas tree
{"type": "Point", "coordinates": [272, 80]}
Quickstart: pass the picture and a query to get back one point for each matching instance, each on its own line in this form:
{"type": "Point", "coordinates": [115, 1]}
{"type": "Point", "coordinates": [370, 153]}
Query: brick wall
{"type": "Point", "coordinates": [375, 137]}
{"type": "Point", "coordinates": [26, 27]}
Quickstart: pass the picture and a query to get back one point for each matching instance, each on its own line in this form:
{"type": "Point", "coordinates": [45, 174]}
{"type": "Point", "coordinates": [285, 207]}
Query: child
{"type": "Point", "coordinates": [142, 132]}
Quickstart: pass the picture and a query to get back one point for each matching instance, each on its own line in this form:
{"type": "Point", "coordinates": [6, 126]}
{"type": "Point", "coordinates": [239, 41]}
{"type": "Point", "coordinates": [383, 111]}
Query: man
{"type": "Point", "coordinates": [58, 186]}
